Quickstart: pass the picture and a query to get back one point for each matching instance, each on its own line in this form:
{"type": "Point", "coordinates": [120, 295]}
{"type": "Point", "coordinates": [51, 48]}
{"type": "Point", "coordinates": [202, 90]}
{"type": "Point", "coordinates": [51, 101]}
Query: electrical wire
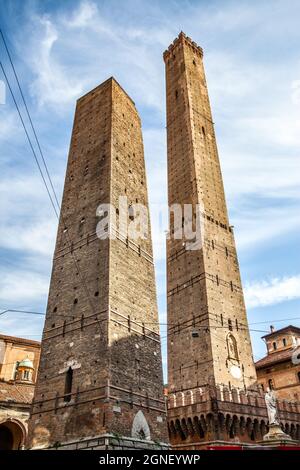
{"type": "Point", "coordinates": [29, 117]}
{"type": "Point", "coordinates": [78, 271]}
{"type": "Point", "coordinates": [176, 324]}
{"type": "Point", "coordinates": [54, 202]}
{"type": "Point", "coordinates": [28, 138]}
{"type": "Point", "coordinates": [21, 311]}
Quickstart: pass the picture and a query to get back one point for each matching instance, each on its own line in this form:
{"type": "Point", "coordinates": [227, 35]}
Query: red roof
{"type": "Point", "coordinates": [285, 329]}
{"type": "Point", "coordinates": [274, 358]}
{"type": "Point", "coordinates": [11, 392]}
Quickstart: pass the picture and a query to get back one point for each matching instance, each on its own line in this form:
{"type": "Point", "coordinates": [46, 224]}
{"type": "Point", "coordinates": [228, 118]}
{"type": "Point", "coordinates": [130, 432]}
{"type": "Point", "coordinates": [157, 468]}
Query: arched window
{"type": "Point", "coordinates": [232, 347]}
{"type": "Point", "coordinates": [274, 345]}
{"type": "Point", "coordinates": [271, 384]}
{"type": "Point", "coordinates": [68, 384]}
{"type": "Point", "coordinates": [140, 428]}
{"type": "Point", "coordinates": [284, 342]}
{"type": "Point", "coordinates": [26, 375]}
{"type": "Point", "coordinates": [298, 375]}
{"type": "Point", "coordinates": [131, 212]}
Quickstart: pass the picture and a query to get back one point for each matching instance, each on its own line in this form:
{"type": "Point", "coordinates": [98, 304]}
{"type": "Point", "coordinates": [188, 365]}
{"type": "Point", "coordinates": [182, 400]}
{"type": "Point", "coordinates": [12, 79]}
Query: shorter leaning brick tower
{"type": "Point", "coordinates": [99, 383]}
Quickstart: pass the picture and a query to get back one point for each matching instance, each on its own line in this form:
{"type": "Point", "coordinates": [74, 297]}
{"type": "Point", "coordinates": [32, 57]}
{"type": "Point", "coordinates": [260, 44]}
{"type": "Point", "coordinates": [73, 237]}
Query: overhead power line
{"type": "Point", "coordinates": [21, 311]}
{"type": "Point", "coordinates": [29, 117]}
{"type": "Point", "coordinates": [28, 138]}
{"type": "Point", "coordinates": [274, 321]}
{"type": "Point", "coordinates": [78, 270]}
{"type": "Point", "coordinates": [32, 312]}
{"type": "Point", "coordinates": [56, 207]}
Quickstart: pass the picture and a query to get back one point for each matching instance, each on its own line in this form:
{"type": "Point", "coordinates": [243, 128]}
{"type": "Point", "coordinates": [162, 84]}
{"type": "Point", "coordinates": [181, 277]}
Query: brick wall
{"type": "Point", "coordinates": [100, 317]}
{"type": "Point", "coordinates": [204, 285]}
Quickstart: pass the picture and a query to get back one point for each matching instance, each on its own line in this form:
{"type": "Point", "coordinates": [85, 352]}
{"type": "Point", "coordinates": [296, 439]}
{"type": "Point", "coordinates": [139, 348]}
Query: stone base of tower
{"type": "Point", "coordinates": [210, 416]}
{"type": "Point", "coordinates": [110, 442]}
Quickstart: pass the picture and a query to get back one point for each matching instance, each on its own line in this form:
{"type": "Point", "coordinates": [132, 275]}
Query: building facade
{"type": "Point", "coordinates": [214, 397]}
{"type": "Point", "coordinates": [19, 360]}
{"type": "Point", "coordinates": [99, 383]}
{"type": "Point", "coordinates": [280, 368]}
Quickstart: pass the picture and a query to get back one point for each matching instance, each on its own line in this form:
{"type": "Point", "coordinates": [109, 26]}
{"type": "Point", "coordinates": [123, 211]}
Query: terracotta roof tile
{"type": "Point", "coordinates": [274, 358]}
{"type": "Point", "coordinates": [16, 392]}
{"type": "Point", "coordinates": [285, 329]}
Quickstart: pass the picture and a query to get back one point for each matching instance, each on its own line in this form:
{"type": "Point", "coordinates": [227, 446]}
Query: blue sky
{"type": "Point", "coordinates": [252, 59]}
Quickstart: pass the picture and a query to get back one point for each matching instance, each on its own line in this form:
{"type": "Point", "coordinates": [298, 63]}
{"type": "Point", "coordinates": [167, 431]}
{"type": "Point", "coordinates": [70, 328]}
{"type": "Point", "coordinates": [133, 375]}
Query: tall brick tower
{"type": "Point", "coordinates": [214, 398]}
{"type": "Point", "coordinates": [208, 335]}
{"type": "Point", "coordinates": [99, 383]}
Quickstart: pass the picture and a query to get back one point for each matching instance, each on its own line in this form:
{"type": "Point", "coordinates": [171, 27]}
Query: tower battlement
{"type": "Point", "coordinates": [219, 414]}
{"type": "Point", "coordinates": [179, 41]}
{"type": "Point", "coordinates": [223, 393]}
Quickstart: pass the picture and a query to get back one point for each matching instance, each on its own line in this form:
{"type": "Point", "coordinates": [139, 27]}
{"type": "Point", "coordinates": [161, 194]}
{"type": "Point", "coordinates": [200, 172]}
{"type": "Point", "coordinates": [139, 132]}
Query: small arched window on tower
{"type": "Point", "coordinates": [274, 345]}
{"type": "Point", "coordinates": [271, 384]}
{"type": "Point", "coordinates": [131, 213]}
{"type": "Point", "coordinates": [68, 384]}
{"type": "Point", "coordinates": [232, 347]}
{"type": "Point", "coordinates": [203, 131]}
{"type": "Point", "coordinates": [176, 94]}
{"type": "Point", "coordinates": [229, 324]}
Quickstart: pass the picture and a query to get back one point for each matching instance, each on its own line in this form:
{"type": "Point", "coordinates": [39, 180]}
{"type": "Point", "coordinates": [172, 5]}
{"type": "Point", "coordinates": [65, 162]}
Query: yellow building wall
{"type": "Point", "coordinates": [11, 353]}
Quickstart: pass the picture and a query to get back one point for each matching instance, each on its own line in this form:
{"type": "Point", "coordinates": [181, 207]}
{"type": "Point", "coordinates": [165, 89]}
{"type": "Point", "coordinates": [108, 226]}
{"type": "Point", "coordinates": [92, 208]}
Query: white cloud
{"type": "Point", "coordinates": [272, 291]}
{"type": "Point", "coordinates": [295, 86]}
{"type": "Point", "coordinates": [69, 54]}
{"type": "Point", "coordinates": [27, 221]}
{"type": "Point", "coordinates": [155, 150]}
{"type": "Point", "coordinates": [36, 237]}
{"type": "Point", "coordinates": [22, 286]}
{"type": "Point", "coordinates": [2, 92]}
{"type": "Point", "coordinates": [53, 85]}
{"type": "Point", "coordinates": [22, 325]}
{"type": "Point", "coordinates": [262, 223]}
{"type": "Point", "coordinates": [9, 126]}
{"type": "Point", "coordinates": [231, 77]}
{"type": "Point", "coordinates": [83, 15]}
{"type": "Point", "coordinates": [281, 130]}
{"type": "Point", "coordinates": [262, 175]}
